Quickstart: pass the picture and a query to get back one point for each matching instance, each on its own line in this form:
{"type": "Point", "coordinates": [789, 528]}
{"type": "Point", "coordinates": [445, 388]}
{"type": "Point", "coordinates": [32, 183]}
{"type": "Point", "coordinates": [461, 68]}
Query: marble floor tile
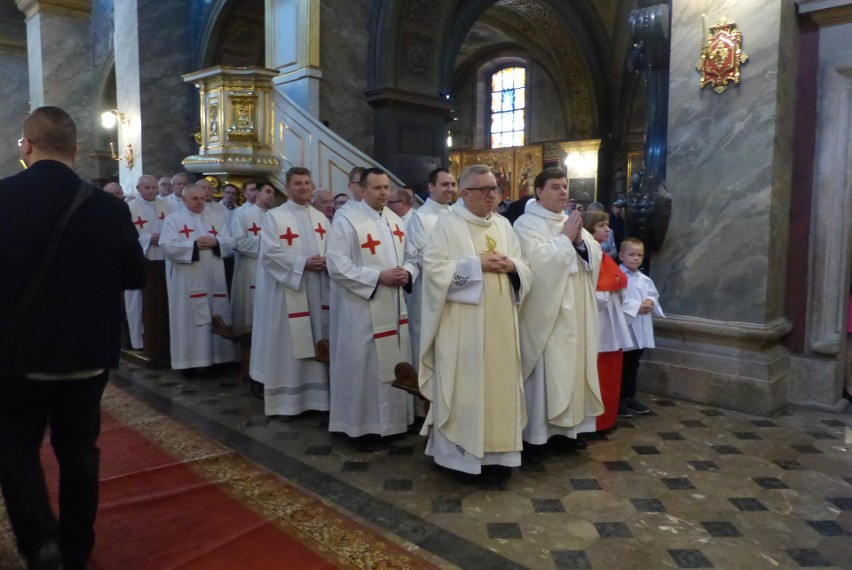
{"type": "Point", "coordinates": [689, 486]}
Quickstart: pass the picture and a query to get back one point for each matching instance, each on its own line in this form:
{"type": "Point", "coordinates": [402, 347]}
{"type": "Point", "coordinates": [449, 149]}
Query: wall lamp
{"type": "Point", "coordinates": [109, 118]}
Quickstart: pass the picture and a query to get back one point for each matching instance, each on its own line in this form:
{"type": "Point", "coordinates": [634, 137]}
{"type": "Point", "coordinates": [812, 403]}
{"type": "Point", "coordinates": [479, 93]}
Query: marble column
{"type": "Point", "coordinates": [14, 89]}
{"type": "Point", "coordinates": [292, 48]}
{"type": "Point", "coordinates": [721, 270]}
{"type": "Point", "coordinates": [60, 59]}
{"type": "Point", "coordinates": [151, 54]}
{"type": "Point", "coordinates": [818, 372]}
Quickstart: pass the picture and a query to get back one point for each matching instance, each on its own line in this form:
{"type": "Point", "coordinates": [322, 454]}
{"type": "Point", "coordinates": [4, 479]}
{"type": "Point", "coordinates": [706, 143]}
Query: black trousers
{"type": "Point", "coordinates": [71, 408]}
{"type": "Point", "coordinates": [629, 372]}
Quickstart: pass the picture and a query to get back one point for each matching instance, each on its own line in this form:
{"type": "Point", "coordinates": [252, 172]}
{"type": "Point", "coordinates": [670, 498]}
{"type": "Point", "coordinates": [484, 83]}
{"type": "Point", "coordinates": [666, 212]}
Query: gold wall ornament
{"type": "Point", "coordinates": [721, 55]}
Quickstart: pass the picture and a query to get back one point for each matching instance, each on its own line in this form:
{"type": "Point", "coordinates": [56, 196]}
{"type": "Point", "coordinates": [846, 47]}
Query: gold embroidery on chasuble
{"type": "Point", "coordinates": [502, 362]}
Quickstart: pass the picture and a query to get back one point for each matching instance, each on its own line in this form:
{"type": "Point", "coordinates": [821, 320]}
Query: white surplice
{"type": "Point", "coordinates": [293, 383]}
{"type": "Point", "coordinates": [419, 230]}
{"type": "Point", "coordinates": [559, 328]}
{"type": "Point", "coordinates": [639, 288]}
{"type": "Point", "coordinates": [197, 289]}
{"type": "Point", "coordinates": [245, 228]}
{"type": "Point", "coordinates": [148, 219]}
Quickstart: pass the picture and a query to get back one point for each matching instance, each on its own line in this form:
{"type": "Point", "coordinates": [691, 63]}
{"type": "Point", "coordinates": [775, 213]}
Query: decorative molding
{"type": "Point", "coordinates": [389, 96]}
{"type": "Point", "coordinates": [826, 12]}
{"type": "Point", "coordinates": [81, 9]}
{"type": "Point", "coordinates": [764, 334]}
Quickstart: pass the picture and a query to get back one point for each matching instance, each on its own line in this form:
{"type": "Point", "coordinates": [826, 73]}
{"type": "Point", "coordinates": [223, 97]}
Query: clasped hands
{"type": "Point", "coordinates": [315, 263]}
{"type": "Point", "coordinates": [395, 277]}
{"type": "Point", "coordinates": [646, 307]}
{"type": "Point", "coordinates": [496, 263]}
{"type": "Point", "coordinates": [572, 226]}
{"type": "Point", "coordinates": [207, 242]}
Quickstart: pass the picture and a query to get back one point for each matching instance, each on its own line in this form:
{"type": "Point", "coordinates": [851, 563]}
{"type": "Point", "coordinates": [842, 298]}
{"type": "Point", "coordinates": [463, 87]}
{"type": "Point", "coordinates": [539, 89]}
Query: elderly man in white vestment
{"type": "Point", "coordinates": [291, 303]}
{"type": "Point", "coordinates": [194, 241]}
{"type": "Point", "coordinates": [442, 190]}
{"type": "Point", "coordinates": [474, 279]}
{"type": "Point", "coordinates": [559, 320]}
{"type": "Point", "coordinates": [369, 322]}
{"type": "Point", "coordinates": [245, 229]}
{"type": "Point", "coordinates": [147, 214]}
{"type": "Point", "coordinates": [179, 183]}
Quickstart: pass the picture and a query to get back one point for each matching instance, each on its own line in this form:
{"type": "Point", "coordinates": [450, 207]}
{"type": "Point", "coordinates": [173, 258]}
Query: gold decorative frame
{"type": "Point", "coordinates": [721, 55]}
{"type": "Point", "coordinates": [508, 165]}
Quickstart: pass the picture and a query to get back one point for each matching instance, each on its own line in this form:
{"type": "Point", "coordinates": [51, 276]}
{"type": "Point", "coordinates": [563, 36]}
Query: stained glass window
{"type": "Point", "coordinates": [508, 107]}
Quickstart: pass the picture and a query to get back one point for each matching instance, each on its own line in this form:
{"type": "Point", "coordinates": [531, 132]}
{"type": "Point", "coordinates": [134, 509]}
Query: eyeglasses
{"type": "Point", "coordinates": [486, 189]}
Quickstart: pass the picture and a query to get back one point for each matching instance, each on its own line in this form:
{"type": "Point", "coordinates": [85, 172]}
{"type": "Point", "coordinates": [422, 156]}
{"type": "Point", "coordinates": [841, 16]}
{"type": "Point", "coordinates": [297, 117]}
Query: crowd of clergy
{"type": "Point", "coordinates": [496, 341]}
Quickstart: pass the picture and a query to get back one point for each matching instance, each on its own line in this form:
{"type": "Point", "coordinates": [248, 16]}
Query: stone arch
{"type": "Point", "coordinates": [233, 34]}
{"type": "Point", "coordinates": [405, 43]}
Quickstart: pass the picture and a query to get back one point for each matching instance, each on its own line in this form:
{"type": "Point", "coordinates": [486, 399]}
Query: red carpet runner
{"type": "Point", "coordinates": [171, 498]}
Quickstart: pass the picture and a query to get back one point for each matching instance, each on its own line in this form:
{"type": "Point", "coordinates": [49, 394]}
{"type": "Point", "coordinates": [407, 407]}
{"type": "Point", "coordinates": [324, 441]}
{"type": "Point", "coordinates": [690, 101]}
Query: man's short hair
{"type": "Point", "coordinates": [51, 130]}
{"type": "Point", "coordinates": [593, 218]}
{"type": "Point", "coordinates": [296, 171]}
{"type": "Point", "coordinates": [344, 194]}
{"type": "Point", "coordinates": [359, 170]}
{"type": "Point", "coordinates": [473, 170]}
{"type": "Point", "coordinates": [433, 176]}
{"type": "Point", "coordinates": [406, 195]}
{"type": "Point", "coordinates": [631, 241]}
{"type": "Point", "coordinates": [548, 174]}
{"type": "Point", "coordinates": [190, 178]}
{"type": "Point", "coordinates": [366, 172]}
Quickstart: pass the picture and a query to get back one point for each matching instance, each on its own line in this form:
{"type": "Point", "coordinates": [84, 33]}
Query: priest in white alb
{"type": "Point", "coordinates": [559, 320]}
{"type": "Point", "coordinates": [442, 191]}
{"type": "Point", "coordinates": [245, 228]}
{"type": "Point", "coordinates": [291, 303]}
{"type": "Point", "coordinates": [147, 213]}
{"type": "Point", "coordinates": [369, 322]}
{"type": "Point", "coordinates": [474, 279]}
{"type": "Point", "coordinates": [194, 241]}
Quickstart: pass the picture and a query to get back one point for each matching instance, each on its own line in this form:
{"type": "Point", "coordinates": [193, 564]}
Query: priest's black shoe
{"type": "Point", "coordinates": [364, 443]}
{"type": "Point", "coordinates": [561, 445]}
{"type": "Point", "coordinates": [256, 388]}
{"type": "Point", "coordinates": [47, 557]}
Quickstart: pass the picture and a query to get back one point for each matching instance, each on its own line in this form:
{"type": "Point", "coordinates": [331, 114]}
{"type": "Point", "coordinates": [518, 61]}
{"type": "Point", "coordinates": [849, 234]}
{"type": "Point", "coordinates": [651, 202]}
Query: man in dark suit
{"type": "Point", "coordinates": [54, 370]}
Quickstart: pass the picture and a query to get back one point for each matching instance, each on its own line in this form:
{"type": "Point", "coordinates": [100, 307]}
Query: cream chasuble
{"type": "Point", "coordinates": [470, 360]}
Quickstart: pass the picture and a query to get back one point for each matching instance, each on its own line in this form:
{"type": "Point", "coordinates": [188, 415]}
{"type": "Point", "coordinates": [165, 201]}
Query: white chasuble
{"type": "Point", "coordinates": [559, 329]}
{"type": "Point", "coordinates": [470, 366]}
{"type": "Point", "coordinates": [245, 228]}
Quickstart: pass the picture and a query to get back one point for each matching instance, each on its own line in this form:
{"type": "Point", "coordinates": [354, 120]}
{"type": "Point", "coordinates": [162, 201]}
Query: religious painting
{"type": "Point", "coordinates": [528, 163]}
{"type": "Point", "coordinates": [582, 190]}
{"type": "Point", "coordinates": [635, 163]}
{"type": "Point", "coordinates": [501, 162]}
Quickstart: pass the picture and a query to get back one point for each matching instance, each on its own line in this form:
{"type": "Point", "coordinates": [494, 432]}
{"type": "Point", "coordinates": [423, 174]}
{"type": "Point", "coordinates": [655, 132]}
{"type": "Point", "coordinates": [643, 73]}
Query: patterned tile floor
{"type": "Point", "coordinates": [687, 486]}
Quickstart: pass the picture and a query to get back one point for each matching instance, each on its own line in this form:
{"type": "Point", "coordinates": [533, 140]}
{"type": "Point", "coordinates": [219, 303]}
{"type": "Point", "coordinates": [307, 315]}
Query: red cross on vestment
{"type": "Point", "coordinates": [398, 233]}
{"type": "Point", "coordinates": [186, 231]}
{"type": "Point", "coordinates": [213, 231]}
{"type": "Point", "coordinates": [370, 244]}
{"type": "Point", "coordinates": [140, 222]}
{"type": "Point", "coordinates": [253, 229]}
{"type": "Point", "coordinates": [162, 216]}
{"type": "Point", "coordinates": [321, 231]}
{"type": "Point", "coordinates": [289, 236]}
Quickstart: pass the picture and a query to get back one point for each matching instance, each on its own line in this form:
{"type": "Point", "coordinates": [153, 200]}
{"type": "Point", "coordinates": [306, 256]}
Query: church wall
{"type": "Point", "coordinates": [728, 172]}
{"type": "Point", "coordinates": [546, 115]}
{"type": "Point", "coordinates": [14, 89]}
{"type": "Point", "coordinates": [344, 51]}
{"type": "Point", "coordinates": [721, 271]}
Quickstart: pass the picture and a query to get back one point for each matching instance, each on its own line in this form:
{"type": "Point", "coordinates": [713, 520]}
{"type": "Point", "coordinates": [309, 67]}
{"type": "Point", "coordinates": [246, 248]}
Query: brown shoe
{"type": "Point", "coordinates": [321, 354]}
{"type": "Point", "coordinates": [406, 379]}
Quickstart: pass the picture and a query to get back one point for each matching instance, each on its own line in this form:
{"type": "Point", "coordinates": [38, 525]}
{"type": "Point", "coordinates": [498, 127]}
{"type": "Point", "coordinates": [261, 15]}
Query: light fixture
{"type": "Point", "coordinates": [109, 118]}
{"type": "Point", "coordinates": [127, 156]}
{"type": "Point", "coordinates": [449, 139]}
